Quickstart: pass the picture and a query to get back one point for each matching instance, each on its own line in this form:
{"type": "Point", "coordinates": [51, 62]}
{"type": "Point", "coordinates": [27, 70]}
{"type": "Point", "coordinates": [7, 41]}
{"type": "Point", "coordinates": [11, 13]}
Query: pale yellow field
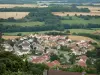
{"type": "Point", "coordinates": [16, 15]}
{"type": "Point", "coordinates": [73, 13]}
{"type": "Point", "coordinates": [78, 38]}
{"type": "Point", "coordinates": [20, 5]}
{"type": "Point", "coordinates": [10, 37]}
{"type": "Point", "coordinates": [94, 11]}
{"type": "Point", "coordinates": [91, 8]}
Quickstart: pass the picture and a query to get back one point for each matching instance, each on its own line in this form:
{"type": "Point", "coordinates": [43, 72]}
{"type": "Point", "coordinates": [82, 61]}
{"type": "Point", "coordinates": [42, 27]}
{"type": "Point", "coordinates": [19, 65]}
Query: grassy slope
{"type": "Point", "coordinates": [23, 24]}
{"type": "Point", "coordinates": [82, 30]}
{"type": "Point", "coordinates": [76, 20]}
{"type": "Point", "coordinates": [71, 30]}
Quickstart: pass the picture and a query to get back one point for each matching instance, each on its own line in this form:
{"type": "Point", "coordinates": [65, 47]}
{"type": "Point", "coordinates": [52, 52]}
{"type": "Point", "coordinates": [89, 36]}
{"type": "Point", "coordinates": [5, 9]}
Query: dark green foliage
{"type": "Point", "coordinates": [51, 9]}
{"type": "Point", "coordinates": [76, 68]}
{"type": "Point", "coordinates": [55, 33]}
{"type": "Point", "coordinates": [90, 35]}
{"type": "Point", "coordinates": [91, 53]}
{"type": "Point", "coordinates": [19, 34]}
{"type": "Point", "coordinates": [54, 57]}
{"type": "Point", "coordinates": [97, 65]}
{"type": "Point", "coordinates": [64, 48]}
{"type": "Point", "coordinates": [14, 65]}
{"type": "Point", "coordinates": [72, 59]}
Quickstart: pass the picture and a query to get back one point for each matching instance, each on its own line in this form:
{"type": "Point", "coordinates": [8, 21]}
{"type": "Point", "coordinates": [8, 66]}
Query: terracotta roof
{"type": "Point", "coordinates": [55, 72]}
{"type": "Point", "coordinates": [40, 59]}
{"type": "Point", "coordinates": [58, 72]}
{"type": "Point", "coordinates": [82, 63]}
{"type": "Point", "coordinates": [84, 57]}
{"type": "Point", "coordinates": [54, 63]}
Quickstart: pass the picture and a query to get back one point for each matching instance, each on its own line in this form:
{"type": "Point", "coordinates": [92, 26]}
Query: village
{"type": "Point", "coordinates": [51, 50]}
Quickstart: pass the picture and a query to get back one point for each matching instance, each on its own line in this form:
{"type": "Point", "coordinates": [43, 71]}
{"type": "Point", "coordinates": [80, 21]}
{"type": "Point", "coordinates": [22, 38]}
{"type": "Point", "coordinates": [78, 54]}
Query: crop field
{"type": "Point", "coordinates": [77, 38]}
{"type": "Point", "coordinates": [16, 15]}
{"type": "Point", "coordinates": [76, 13]}
{"type": "Point", "coordinates": [91, 8]}
{"type": "Point", "coordinates": [19, 5]}
{"type": "Point", "coordinates": [23, 23]}
{"type": "Point", "coordinates": [10, 37]}
{"type": "Point", "coordinates": [19, 15]}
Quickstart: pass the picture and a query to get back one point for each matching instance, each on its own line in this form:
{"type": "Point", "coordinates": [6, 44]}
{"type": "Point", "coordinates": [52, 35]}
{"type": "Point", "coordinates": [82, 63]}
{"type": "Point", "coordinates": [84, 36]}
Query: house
{"type": "Point", "coordinates": [40, 59]}
{"type": "Point", "coordinates": [59, 72]}
{"type": "Point", "coordinates": [53, 63]}
{"type": "Point", "coordinates": [25, 45]}
{"type": "Point", "coordinates": [8, 47]}
{"type": "Point", "coordinates": [82, 61]}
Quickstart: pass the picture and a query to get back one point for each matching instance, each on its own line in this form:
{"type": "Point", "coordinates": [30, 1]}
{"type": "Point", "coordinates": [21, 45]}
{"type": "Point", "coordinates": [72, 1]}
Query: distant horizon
{"type": "Point", "coordinates": [33, 1]}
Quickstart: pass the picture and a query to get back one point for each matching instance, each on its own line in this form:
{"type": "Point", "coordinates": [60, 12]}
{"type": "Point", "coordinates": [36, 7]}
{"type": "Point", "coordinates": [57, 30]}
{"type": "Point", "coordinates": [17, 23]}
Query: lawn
{"type": "Point", "coordinates": [23, 23]}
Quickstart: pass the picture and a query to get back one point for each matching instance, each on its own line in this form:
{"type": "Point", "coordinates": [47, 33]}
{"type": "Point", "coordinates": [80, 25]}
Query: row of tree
{"type": "Point", "coordinates": [51, 9]}
{"type": "Point", "coordinates": [15, 28]}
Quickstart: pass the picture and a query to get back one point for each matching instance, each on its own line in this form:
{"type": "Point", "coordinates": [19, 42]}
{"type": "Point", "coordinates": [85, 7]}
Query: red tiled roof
{"type": "Point", "coordinates": [82, 63]}
{"type": "Point", "coordinates": [54, 63]}
{"type": "Point", "coordinates": [58, 72]}
{"type": "Point", "coordinates": [84, 57]}
{"type": "Point", "coordinates": [40, 59]}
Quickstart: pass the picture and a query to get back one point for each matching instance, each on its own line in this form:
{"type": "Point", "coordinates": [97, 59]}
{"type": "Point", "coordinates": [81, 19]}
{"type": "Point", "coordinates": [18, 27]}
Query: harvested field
{"type": "Point", "coordinates": [91, 8]}
{"type": "Point", "coordinates": [10, 37]}
{"type": "Point", "coordinates": [20, 5]}
{"type": "Point", "coordinates": [78, 38]}
{"type": "Point", "coordinates": [94, 11]}
{"type": "Point", "coordinates": [16, 15]}
{"type": "Point", "coordinates": [77, 13]}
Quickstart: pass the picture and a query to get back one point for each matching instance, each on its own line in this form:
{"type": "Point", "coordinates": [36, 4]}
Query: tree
{"type": "Point", "coordinates": [2, 68]}
{"type": "Point", "coordinates": [19, 34]}
{"type": "Point", "coordinates": [97, 65]}
{"type": "Point", "coordinates": [53, 57]}
{"type": "Point", "coordinates": [72, 59]}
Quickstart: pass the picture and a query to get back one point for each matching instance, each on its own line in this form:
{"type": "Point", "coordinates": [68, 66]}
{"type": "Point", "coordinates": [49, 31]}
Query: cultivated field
{"type": "Point", "coordinates": [93, 11]}
{"type": "Point", "coordinates": [16, 15]}
{"type": "Point", "coordinates": [10, 37]}
{"type": "Point", "coordinates": [77, 38]}
{"type": "Point", "coordinates": [91, 8]}
{"type": "Point", "coordinates": [77, 13]}
{"type": "Point", "coordinates": [19, 15]}
{"type": "Point", "coordinates": [20, 5]}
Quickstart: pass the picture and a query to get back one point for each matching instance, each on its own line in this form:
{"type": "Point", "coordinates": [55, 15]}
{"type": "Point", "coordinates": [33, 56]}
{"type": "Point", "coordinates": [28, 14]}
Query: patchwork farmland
{"type": "Point", "coordinates": [16, 15]}
{"type": "Point", "coordinates": [20, 5]}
